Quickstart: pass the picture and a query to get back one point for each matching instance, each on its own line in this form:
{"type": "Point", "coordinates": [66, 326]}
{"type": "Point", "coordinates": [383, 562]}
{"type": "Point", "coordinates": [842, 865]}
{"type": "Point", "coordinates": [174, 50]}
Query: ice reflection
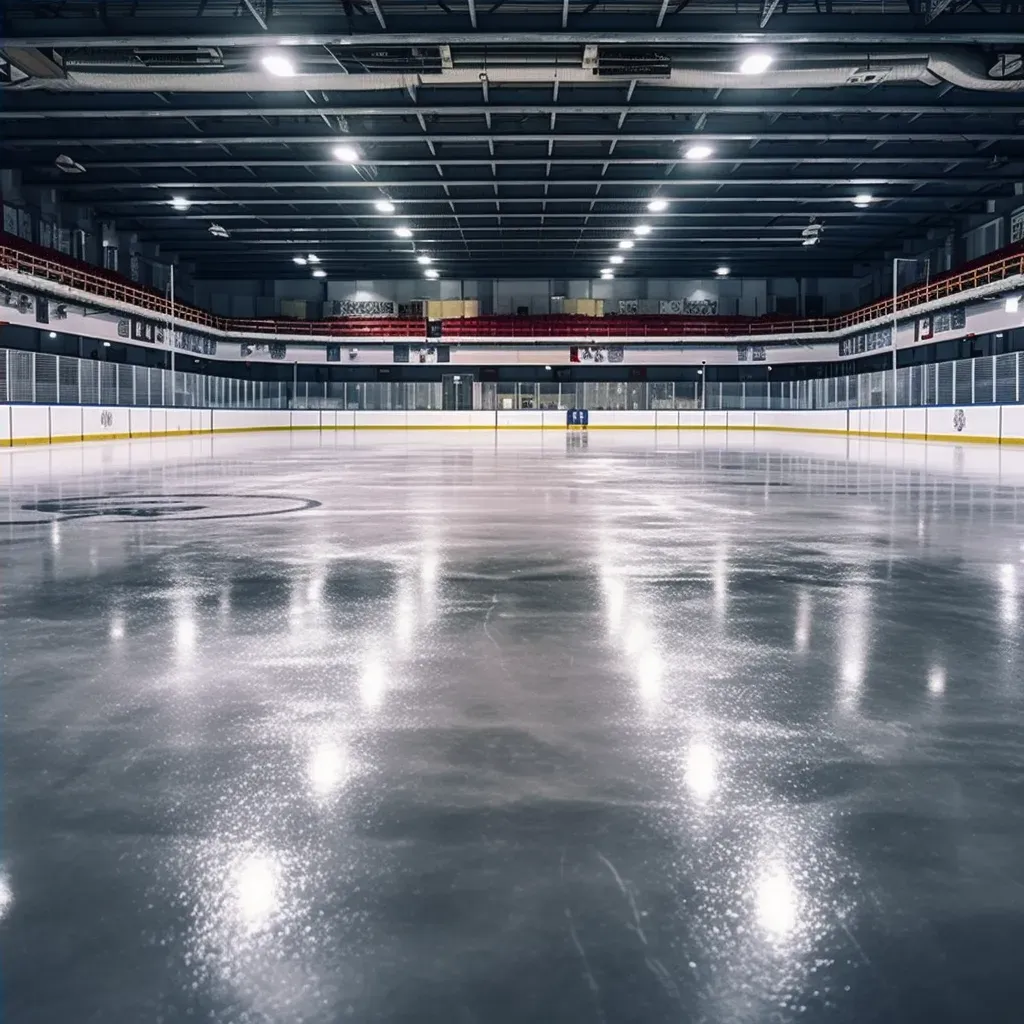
{"type": "Point", "coordinates": [327, 769]}
{"type": "Point", "coordinates": [854, 625]}
{"type": "Point", "coordinates": [720, 582]}
{"type": "Point", "coordinates": [1008, 594]}
{"type": "Point", "coordinates": [372, 682]}
{"type": "Point", "coordinates": [700, 770]}
{"type": "Point", "coordinates": [255, 888]}
{"type": "Point", "coordinates": [802, 634]}
{"type": "Point", "coordinates": [627, 624]}
{"type": "Point", "coordinates": [937, 680]}
{"type": "Point", "coordinates": [117, 626]}
{"type": "Point", "coordinates": [6, 895]}
{"type": "Point", "coordinates": [776, 901]}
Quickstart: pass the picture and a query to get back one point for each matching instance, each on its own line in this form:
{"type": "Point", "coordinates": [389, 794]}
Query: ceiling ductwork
{"type": "Point", "coordinates": [960, 70]}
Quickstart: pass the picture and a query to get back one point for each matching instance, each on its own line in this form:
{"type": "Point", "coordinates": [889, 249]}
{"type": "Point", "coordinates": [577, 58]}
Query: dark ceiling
{"type": "Point", "coordinates": [522, 138]}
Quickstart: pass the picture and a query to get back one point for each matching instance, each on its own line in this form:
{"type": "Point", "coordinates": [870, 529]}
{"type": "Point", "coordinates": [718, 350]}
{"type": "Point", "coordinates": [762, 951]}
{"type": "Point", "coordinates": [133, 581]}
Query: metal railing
{"type": "Point", "coordinates": [38, 377]}
{"type": "Point", "coordinates": [33, 261]}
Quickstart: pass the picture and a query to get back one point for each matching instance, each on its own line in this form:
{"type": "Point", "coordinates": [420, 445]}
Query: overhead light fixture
{"type": "Point", "coordinates": [699, 151]}
{"type": "Point", "coordinates": [863, 199]}
{"type": "Point", "coordinates": [626, 243]}
{"type": "Point", "coordinates": [813, 240]}
{"type": "Point", "coordinates": [384, 206]}
{"type": "Point", "coordinates": [657, 205]}
{"type": "Point", "coordinates": [642, 229]}
{"type": "Point", "coordinates": [722, 271]}
{"type": "Point", "coordinates": [547, 367]}
{"type": "Point", "coordinates": [616, 259]}
{"type": "Point", "coordinates": [607, 271]}
{"type": "Point", "coordinates": [403, 232]}
{"type": "Point", "coordinates": [299, 260]}
{"type": "Point", "coordinates": [69, 165]}
{"type": "Point", "coordinates": [430, 273]}
{"type": "Point", "coordinates": [312, 259]}
{"type": "Point", "coordinates": [1013, 304]}
{"type": "Point", "coordinates": [319, 273]}
{"type": "Point", "coordinates": [106, 344]}
{"type": "Point", "coordinates": [756, 63]}
{"type": "Point", "coordinates": [346, 154]}
{"type": "Point", "coordinates": [218, 231]}
{"type": "Point", "coordinates": [180, 202]}
{"type": "Point", "coordinates": [423, 260]}
{"type": "Point", "coordinates": [277, 64]}
{"type": "Point", "coordinates": [53, 334]}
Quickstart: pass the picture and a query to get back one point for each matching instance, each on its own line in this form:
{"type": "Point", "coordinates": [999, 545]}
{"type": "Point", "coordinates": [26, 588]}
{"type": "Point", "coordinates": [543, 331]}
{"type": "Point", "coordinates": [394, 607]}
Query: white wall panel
{"type": "Point", "coordinates": [65, 423]}
{"type": "Point", "coordinates": [521, 419]}
{"type": "Point", "coordinates": [5, 426]}
{"type": "Point", "coordinates": [740, 420]}
{"type": "Point", "coordinates": [964, 423]}
{"type": "Point", "coordinates": [100, 423]}
{"type": "Point", "coordinates": [30, 424]}
{"type": "Point", "coordinates": [915, 423]}
{"type": "Point", "coordinates": [306, 419]}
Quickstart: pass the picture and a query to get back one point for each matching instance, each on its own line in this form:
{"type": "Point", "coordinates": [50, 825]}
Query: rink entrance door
{"type": "Point", "coordinates": [456, 391]}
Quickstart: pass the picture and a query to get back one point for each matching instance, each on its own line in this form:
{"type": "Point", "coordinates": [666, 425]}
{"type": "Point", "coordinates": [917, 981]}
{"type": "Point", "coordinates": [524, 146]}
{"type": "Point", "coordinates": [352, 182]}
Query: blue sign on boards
{"type": "Point", "coordinates": [577, 417]}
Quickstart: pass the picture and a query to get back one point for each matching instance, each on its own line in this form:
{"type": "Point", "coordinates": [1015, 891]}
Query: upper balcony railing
{"type": "Point", "coordinates": [37, 262]}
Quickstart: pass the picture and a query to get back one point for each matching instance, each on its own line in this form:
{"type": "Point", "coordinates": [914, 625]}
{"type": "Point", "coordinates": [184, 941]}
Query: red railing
{"type": "Point", "coordinates": [44, 264]}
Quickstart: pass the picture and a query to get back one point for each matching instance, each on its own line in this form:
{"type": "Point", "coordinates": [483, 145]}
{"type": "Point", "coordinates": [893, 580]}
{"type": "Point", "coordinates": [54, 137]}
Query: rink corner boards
{"type": "Point", "coordinates": [34, 424]}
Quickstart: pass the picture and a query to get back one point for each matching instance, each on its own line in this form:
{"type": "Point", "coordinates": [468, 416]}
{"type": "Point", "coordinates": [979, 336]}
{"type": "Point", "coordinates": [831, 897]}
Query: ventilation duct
{"type": "Point", "coordinates": [960, 70]}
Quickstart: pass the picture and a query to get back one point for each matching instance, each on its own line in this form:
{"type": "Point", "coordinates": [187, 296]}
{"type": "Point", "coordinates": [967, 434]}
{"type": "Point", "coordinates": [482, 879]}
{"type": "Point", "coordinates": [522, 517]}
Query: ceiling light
{"type": "Point", "coordinates": [299, 260]}
{"type": "Point", "coordinates": [384, 206]}
{"type": "Point", "coordinates": [180, 202]}
{"type": "Point", "coordinates": [642, 229]}
{"type": "Point", "coordinates": [53, 334]}
{"type": "Point", "coordinates": [312, 259]}
{"type": "Point", "coordinates": [626, 243]}
{"type": "Point", "coordinates": [346, 154]}
{"type": "Point", "coordinates": [68, 165]}
{"type": "Point", "coordinates": [756, 63]}
{"type": "Point", "coordinates": [657, 205]}
{"type": "Point", "coordinates": [319, 273]}
{"type": "Point", "coordinates": [424, 261]}
{"type": "Point", "coordinates": [607, 271]}
{"type": "Point", "coordinates": [616, 259]}
{"type": "Point", "coordinates": [700, 151]}
{"type": "Point", "coordinates": [863, 199]}
{"type": "Point", "coordinates": [721, 271]}
{"type": "Point", "coordinates": [811, 241]}
{"type": "Point", "coordinates": [403, 232]}
{"type": "Point", "coordinates": [430, 273]}
{"type": "Point", "coordinates": [106, 344]}
{"type": "Point", "coordinates": [218, 231]}
{"type": "Point", "coordinates": [278, 64]}
{"type": "Point", "coordinates": [1013, 304]}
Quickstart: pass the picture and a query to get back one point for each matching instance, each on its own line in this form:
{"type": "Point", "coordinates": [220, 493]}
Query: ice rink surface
{"type": "Point", "coordinates": [464, 728]}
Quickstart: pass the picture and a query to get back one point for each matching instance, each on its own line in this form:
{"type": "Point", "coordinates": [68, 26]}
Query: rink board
{"type": "Point", "coordinates": [44, 424]}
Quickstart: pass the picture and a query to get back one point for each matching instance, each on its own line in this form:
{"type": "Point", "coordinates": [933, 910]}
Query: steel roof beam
{"type": "Point", "coordinates": [1012, 106]}
{"type": "Point", "coordinates": [701, 30]}
{"type": "Point", "coordinates": [258, 9]}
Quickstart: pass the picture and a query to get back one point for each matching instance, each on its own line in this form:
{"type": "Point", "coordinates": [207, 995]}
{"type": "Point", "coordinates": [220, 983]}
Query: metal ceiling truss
{"type": "Point", "coordinates": [523, 178]}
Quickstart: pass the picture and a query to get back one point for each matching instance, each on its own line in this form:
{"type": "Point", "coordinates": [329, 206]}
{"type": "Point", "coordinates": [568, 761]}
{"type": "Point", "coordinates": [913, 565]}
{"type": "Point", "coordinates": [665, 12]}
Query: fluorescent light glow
{"type": "Point", "coordinates": [430, 273]}
{"type": "Point", "coordinates": [616, 259]}
{"type": "Point", "coordinates": [319, 273]}
{"type": "Point", "coordinates": [721, 271]}
{"type": "Point", "coordinates": [346, 154]}
{"type": "Point", "coordinates": [106, 344]}
{"type": "Point", "coordinates": [756, 63]}
{"type": "Point", "coordinates": [403, 232]}
{"type": "Point", "coordinates": [811, 241]}
{"type": "Point", "coordinates": [278, 64]}
{"type": "Point", "coordinates": [1013, 304]}
{"type": "Point", "coordinates": [657, 205]}
{"type": "Point", "coordinates": [642, 229]}
{"type": "Point", "coordinates": [312, 259]}
{"type": "Point", "coordinates": [700, 151]}
{"type": "Point", "coordinates": [863, 199]}
{"type": "Point", "coordinates": [607, 271]}
{"type": "Point", "coordinates": [180, 202]}
{"type": "Point", "coordinates": [608, 277]}
{"type": "Point", "coordinates": [384, 206]}
{"type": "Point", "coordinates": [299, 261]}
{"type": "Point", "coordinates": [626, 243]}
{"type": "Point", "coordinates": [53, 334]}
{"type": "Point", "coordinates": [424, 261]}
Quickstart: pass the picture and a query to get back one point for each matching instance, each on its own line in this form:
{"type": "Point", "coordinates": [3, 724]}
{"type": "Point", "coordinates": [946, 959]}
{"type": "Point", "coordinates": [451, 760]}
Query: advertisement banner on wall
{"type": "Point", "coordinates": [596, 354]}
{"type": "Point", "coordinates": [1017, 225]}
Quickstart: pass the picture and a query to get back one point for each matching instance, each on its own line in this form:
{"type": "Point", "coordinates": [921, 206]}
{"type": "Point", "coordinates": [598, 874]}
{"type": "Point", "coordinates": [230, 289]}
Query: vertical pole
{"type": "Point", "coordinates": [172, 336]}
{"type": "Point", "coordinates": [33, 377]}
{"type": "Point", "coordinates": [57, 360]}
{"type": "Point", "coordinates": [1016, 377]}
{"type": "Point", "coordinates": [295, 383]}
{"type": "Point", "coordinates": [895, 325]}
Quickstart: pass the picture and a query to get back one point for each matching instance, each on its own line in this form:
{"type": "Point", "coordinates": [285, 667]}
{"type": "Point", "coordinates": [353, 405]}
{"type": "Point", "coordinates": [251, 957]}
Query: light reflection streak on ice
{"type": "Point", "coordinates": [802, 633]}
{"type": "Point", "coordinates": [855, 628]}
{"type": "Point", "coordinates": [1008, 594]}
{"type": "Point", "coordinates": [628, 628]}
{"type": "Point", "coordinates": [700, 770]}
